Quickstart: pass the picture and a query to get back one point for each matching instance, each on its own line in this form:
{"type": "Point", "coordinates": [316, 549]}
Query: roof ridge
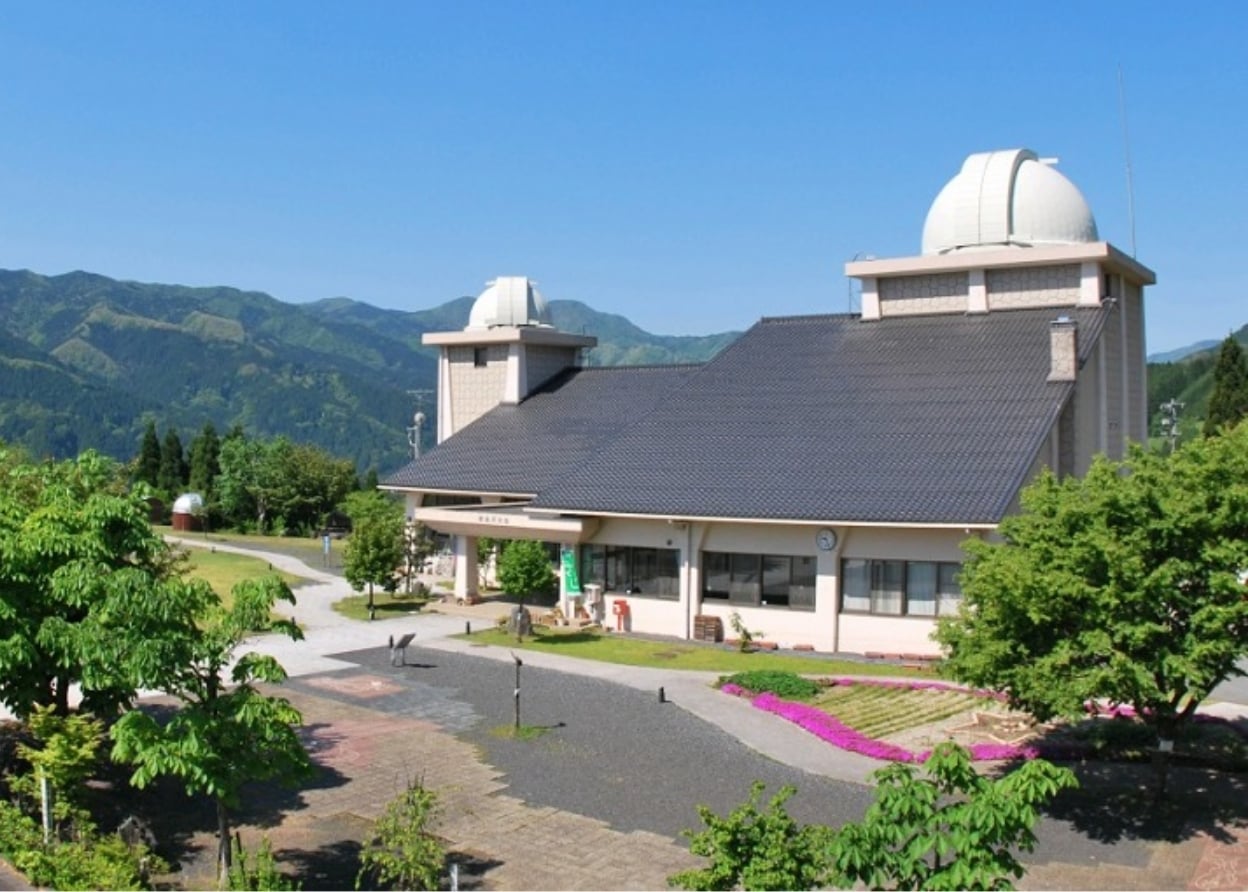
{"type": "Point", "coordinates": [640, 366]}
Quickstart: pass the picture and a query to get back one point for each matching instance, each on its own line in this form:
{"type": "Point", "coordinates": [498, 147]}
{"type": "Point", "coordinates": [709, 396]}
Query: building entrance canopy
{"type": "Point", "coordinates": [506, 521]}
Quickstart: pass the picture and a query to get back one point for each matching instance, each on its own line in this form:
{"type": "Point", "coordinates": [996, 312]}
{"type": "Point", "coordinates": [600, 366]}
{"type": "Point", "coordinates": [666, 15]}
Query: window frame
{"type": "Point", "coordinates": [630, 562]}
{"type": "Point", "coordinates": [945, 599]}
{"type": "Point", "coordinates": [747, 580]}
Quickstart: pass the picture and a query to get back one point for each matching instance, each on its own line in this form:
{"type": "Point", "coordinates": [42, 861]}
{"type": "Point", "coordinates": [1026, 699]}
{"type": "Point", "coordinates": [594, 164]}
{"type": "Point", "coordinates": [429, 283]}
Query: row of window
{"type": "Point", "coordinates": [884, 587]}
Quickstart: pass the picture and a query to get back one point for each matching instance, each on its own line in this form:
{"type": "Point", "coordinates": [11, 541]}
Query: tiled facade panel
{"type": "Point", "coordinates": [546, 362]}
{"type": "Point", "coordinates": [1137, 384]}
{"type": "Point", "coordinates": [1033, 286]}
{"type": "Point", "coordinates": [1111, 343]}
{"type": "Point", "coordinates": [476, 390]}
{"type": "Point", "coordinates": [912, 295]}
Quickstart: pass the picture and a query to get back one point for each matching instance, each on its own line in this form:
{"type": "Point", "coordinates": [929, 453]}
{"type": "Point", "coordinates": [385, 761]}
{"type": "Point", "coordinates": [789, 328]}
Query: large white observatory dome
{"type": "Point", "coordinates": [509, 300]}
{"type": "Point", "coordinates": [1007, 198]}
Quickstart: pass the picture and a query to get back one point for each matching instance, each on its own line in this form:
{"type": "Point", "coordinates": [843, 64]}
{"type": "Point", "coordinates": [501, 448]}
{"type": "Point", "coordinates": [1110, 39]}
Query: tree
{"type": "Point", "coordinates": [227, 732]}
{"type": "Point", "coordinates": [1122, 586]}
{"type": "Point", "coordinates": [950, 830]}
{"type": "Point", "coordinates": [278, 482]}
{"type": "Point", "coordinates": [172, 475]}
{"type": "Point", "coordinates": [402, 852]}
{"type": "Point", "coordinates": [953, 829]}
{"type": "Point", "coordinates": [84, 583]}
{"type": "Point", "coordinates": [148, 460]}
{"type": "Point", "coordinates": [205, 461]}
{"type": "Point", "coordinates": [1229, 400]}
{"type": "Point", "coordinates": [524, 569]}
{"type": "Point", "coordinates": [376, 548]}
{"type": "Point", "coordinates": [252, 481]}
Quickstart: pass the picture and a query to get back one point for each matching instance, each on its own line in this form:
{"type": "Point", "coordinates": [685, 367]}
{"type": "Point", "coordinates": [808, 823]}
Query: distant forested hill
{"type": "Point", "coordinates": [86, 360]}
{"type": "Point", "coordinates": [1189, 380]}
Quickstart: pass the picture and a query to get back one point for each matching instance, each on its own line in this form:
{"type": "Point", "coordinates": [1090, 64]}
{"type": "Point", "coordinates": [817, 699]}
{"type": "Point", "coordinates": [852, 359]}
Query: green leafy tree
{"type": "Point", "coordinates": [364, 504]}
{"type": "Point", "coordinates": [147, 464]}
{"type": "Point", "coordinates": [752, 849]}
{"type": "Point", "coordinates": [205, 462]}
{"type": "Point", "coordinates": [402, 852]}
{"type": "Point", "coordinates": [1229, 401]}
{"type": "Point", "coordinates": [172, 475]}
{"type": "Point", "coordinates": [320, 482]}
{"type": "Point", "coordinates": [84, 583]}
{"type": "Point", "coordinates": [524, 569]}
{"type": "Point", "coordinates": [1122, 586]}
{"type": "Point", "coordinates": [227, 732]}
{"type": "Point", "coordinates": [252, 482]}
{"type": "Point", "coordinates": [264, 481]}
{"type": "Point", "coordinates": [953, 829]}
{"type": "Point", "coordinates": [376, 547]}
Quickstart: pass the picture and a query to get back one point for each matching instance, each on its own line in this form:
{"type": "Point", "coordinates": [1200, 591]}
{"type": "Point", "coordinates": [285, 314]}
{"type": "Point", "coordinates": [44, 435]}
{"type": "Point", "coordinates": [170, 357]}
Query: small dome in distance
{"type": "Point", "coordinates": [511, 301]}
{"type": "Point", "coordinates": [1008, 198]}
{"type": "Point", "coordinates": [188, 503]}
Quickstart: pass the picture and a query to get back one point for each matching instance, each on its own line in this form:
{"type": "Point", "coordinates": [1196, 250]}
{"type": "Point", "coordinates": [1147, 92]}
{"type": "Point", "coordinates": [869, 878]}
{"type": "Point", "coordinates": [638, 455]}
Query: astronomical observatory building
{"type": "Point", "coordinates": [818, 476]}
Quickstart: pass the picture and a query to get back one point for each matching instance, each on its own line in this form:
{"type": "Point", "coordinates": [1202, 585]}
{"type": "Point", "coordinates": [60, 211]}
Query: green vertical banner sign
{"type": "Point", "coordinates": [571, 578]}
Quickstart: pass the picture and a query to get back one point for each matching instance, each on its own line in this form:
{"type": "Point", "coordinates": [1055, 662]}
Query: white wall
{"type": "Point", "coordinates": [822, 629]}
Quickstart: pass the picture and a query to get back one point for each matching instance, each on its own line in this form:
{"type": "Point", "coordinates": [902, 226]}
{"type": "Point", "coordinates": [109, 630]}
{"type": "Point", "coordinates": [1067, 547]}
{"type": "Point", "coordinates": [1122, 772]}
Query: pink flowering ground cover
{"type": "Point", "coordinates": [828, 727]}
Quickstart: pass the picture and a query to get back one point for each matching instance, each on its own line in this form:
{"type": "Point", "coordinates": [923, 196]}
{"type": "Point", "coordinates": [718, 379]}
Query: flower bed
{"type": "Point", "coordinates": [828, 727]}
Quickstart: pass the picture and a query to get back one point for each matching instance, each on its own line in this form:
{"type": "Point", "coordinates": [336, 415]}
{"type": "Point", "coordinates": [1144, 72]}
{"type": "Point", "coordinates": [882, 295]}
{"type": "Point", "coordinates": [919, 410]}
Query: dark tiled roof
{"type": "Point", "coordinates": [922, 419]}
{"type": "Point", "coordinates": [520, 450]}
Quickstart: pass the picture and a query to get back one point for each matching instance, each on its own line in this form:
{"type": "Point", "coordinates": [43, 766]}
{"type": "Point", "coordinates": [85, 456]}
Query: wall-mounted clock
{"type": "Point", "coordinates": [825, 539]}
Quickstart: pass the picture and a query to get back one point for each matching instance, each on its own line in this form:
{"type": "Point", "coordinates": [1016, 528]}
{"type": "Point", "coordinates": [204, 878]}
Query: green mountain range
{"type": "Point", "coordinates": [86, 360]}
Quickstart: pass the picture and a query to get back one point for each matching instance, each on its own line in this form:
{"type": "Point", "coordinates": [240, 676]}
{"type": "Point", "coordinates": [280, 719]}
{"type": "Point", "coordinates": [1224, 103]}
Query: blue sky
{"type": "Point", "coordinates": [693, 166]}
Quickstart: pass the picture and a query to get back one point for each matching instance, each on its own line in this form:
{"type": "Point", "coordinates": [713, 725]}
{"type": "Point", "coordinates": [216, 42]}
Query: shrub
{"type": "Point", "coordinates": [402, 852]}
{"type": "Point", "coordinates": [262, 874]}
{"type": "Point", "coordinates": [91, 861]}
{"type": "Point", "coordinates": [752, 849]}
{"type": "Point", "coordinates": [788, 685]}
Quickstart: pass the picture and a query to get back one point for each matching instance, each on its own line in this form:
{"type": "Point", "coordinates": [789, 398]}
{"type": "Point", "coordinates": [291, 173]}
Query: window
{"type": "Point", "coordinates": [480, 357]}
{"type": "Point", "coordinates": [759, 580]}
{"type": "Point", "coordinates": [899, 588]}
{"type": "Point", "coordinates": [648, 572]}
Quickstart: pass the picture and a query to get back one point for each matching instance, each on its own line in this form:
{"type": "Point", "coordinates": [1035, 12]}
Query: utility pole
{"type": "Point", "coordinates": [1170, 421]}
{"type": "Point", "coordinates": [418, 422]}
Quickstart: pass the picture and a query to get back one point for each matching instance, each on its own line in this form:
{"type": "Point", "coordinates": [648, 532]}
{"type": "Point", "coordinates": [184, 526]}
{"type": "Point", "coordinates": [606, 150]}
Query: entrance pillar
{"type": "Point", "coordinates": [466, 582]}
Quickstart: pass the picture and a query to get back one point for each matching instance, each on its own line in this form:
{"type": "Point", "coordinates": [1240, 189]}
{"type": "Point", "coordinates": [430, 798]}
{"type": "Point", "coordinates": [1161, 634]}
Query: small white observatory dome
{"type": "Point", "coordinates": [188, 503]}
{"type": "Point", "coordinates": [509, 300]}
{"type": "Point", "coordinates": [1007, 198]}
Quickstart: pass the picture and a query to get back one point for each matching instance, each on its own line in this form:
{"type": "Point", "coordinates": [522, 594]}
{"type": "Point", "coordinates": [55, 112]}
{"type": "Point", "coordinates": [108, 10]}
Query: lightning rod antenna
{"type": "Point", "coordinates": [1126, 151]}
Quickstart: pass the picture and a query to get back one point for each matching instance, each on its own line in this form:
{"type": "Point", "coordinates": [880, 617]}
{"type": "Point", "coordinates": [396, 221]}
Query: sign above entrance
{"type": "Point", "coordinates": [508, 521]}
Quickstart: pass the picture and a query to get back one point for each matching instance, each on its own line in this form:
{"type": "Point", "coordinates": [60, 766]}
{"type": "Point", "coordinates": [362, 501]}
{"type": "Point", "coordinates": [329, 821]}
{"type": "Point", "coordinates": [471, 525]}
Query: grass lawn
{"type": "Point", "coordinates": [223, 570]}
{"type": "Point", "coordinates": [387, 605]}
{"type": "Point", "coordinates": [608, 648]}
